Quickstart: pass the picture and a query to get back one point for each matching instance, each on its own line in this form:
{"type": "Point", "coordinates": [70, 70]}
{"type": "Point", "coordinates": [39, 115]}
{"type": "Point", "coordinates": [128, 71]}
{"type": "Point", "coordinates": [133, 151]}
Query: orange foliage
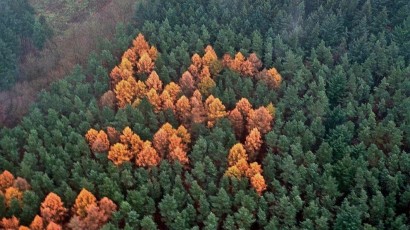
{"type": "Point", "coordinates": [254, 168]}
{"type": "Point", "coordinates": [23, 228]}
{"type": "Point", "coordinates": [145, 64]}
{"type": "Point", "coordinates": [91, 136]}
{"type": "Point", "coordinates": [101, 143]}
{"type": "Point", "coordinates": [244, 107]}
{"type": "Point", "coordinates": [175, 142]}
{"type": "Point", "coordinates": [83, 201]}
{"type": "Point", "coordinates": [10, 223]}
{"type": "Point", "coordinates": [253, 143]}
{"type": "Point", "coordinates": [183, 110]}
{"type": "Point", "coordinates": [140, 89]}
{"type": "Point", "coordinates": [205, 73]}
{"type": "Point", "coordinates": [124, 92]}
{"type": "Point", "coordinates": [6, 180]}
{"type": "Point", "coordinates": [147, 157]}
{"type": "Point", "coordinates": [194, 71]}
{"type": "Point", "coordinates": [119, 153]}
{"type": "Point", "coordinates": [237, 122]}
{"type": "Point", "coordinates": [209, 56]}
{"type": "Point", "coordinates": [236, 63]}
{"type": "Point", "coordinates": [154, 99]}
{"type": "Point", "coordinates": [260, 119]}
{"type": "Point", "coordinates": [115, 75]}
{"type": "Point", "coordinates": [53, 226]}
{"type": "Point", "coordinates": [243, 166]}
{"type": "Point", "coordinates": [198, 111]}
{"type": "Point", "coordinates": [12, 193]}
{"type": "Point", "coordinates": [174, 90]}
{"type": "Point", "coordinates": [37, 223]}
{"type": "Point", "coordinates": [196, 60]}
{"type": "Point", "coordinates": [153, 82]}
{"type": "Point", "coordinates": [236, 153]}
{"type": "Point", "coordinates": [273, 78]}
{"type": "Point", "coordinates": [153, 53]}
{"type": "Point", "coordinates": [131, 56]}
{"type": "Point", "coordinates": [187, 83]}
{"type": "Point", "coordinates": [258, 183]}
{"type": "Point", "coordinates": [215, 109]}
{"type": "Point", "coordinates": [179, 155]}
{"type": "Point", "coordinates": [166, 101]}
{"type": "Point", "coordinates": [247, 68]}
{"type": "Point", "coordinates": [140, 45]}
{"type": "Point", "coordinates": [52, 208]}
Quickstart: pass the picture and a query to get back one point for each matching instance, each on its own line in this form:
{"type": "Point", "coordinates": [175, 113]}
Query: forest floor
{"type": "Point", "coordinates": [76, 35]}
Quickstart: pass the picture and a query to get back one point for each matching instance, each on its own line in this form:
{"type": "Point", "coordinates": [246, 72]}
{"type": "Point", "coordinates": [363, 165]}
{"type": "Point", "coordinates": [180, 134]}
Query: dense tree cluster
{"type": "Point", "coordinates": [191, 136]}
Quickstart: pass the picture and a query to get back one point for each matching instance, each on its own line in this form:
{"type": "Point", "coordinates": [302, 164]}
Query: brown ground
{"type": "Point", "coordinates": [71, 46]}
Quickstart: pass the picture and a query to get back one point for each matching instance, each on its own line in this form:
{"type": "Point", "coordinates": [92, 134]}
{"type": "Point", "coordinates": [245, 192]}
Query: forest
{"type": "Point", "coordinates": [219, 114]}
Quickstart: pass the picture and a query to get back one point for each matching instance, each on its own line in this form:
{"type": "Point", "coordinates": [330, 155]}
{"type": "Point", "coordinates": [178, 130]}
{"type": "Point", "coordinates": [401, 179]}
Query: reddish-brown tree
{"type": "Point", "coordinates": [113, 134]}
{"type": "Point", "coordinates": [52, 209]}
{"type": "Point", "coordinates": [196, 60]}
{"type": "Point", "coordinates": [91, 136]}
{"type": "Point", "coordinates": [21, 184]}
{"type": "Point", "coordinates": [198, 111]}
{"type": "Point", "coordinates": [187, 83]}
{"type": "Point", "coordinates": [260, 119]}
{"type": "Point", "coordinates": [101, 143]}
{"type": "Point", "coordinates": [160, 142]}
{"type": "Point", "coordinates": [237, 121]}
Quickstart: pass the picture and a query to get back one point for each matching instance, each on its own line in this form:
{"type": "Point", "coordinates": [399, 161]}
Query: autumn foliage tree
{"type": "Point", "coordinates": [119, 153]}
{"type": "Point", "coordinates": [236, 153]}
{"type": "Point", "coordinates": [258, 183]}
{"type": "Point", "coordinates": [10, 223]}
{"type": "Point", "coordinates": [148, 156]}
{"type": "Point", "coordinates": [153, 82]}
{"type": "Point", "coordinates": [6, 180]}
{"type": "Point", "coordinates": [253, 143]}
{"type": "Point", "coordinates": [37, 223]}
{"type": "Point", "coordinates": [260, 119]}
{"type": "Point", "coordinates": [52, 209]}
{"type": "Point", "coordinates": [83, 201]}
